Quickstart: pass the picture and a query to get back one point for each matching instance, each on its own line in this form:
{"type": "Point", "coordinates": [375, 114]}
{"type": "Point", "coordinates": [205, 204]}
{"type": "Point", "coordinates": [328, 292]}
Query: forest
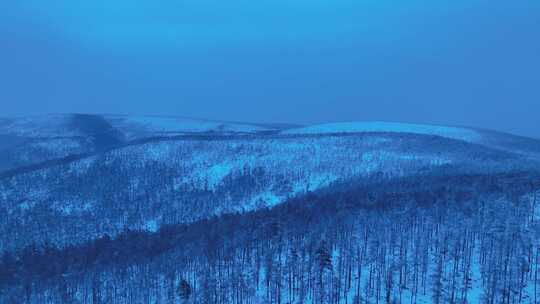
{"type": "Point", "coordinates": [97, 210]}
{"type": "Point", "coordinates": [445, 238]}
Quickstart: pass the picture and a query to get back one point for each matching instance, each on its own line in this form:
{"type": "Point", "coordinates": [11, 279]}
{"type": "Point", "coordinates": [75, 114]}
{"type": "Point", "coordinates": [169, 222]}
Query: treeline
{"type": "Point", "coordinates": [431, 239]}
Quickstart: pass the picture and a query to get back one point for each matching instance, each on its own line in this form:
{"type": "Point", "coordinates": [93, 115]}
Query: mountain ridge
{"type": "Point", "coordinates": [84, 135]}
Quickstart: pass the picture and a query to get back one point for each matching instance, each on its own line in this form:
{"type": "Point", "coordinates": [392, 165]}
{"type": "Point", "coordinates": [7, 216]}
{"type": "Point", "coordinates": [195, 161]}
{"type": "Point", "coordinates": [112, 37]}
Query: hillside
{"type": "Point", "coordinates": [517, 144]}
{"type": "Point", "coordinates": [253, 198]}
{"type": "Point", "coordinates": [178, 180]}
{"type": "Point", "coordinates": [32, 140]}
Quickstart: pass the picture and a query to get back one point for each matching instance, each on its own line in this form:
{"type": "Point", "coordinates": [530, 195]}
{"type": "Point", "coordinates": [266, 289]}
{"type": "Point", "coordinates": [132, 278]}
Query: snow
{"type": "Point", "coordinates": [267, 199]}
{"type": "Point", "coordinates": [536, 211]}
{"type": "Point", "coordinates": [40, 126]}
{"type": "Point", "coordinates": [313, 182]}
{"type": "Point", "coordinates": [158, 152]}
{"type": "Point", "coordinates": [27, 205]}
{"type": "Point", "coordinates": [178, 125]}
{"type": "Point", "coordinates": [72, 207]}
{"type": "Point", "coordinates": [217, 172]}
{"type": "Point", "coordinates": [151, 226]}
{"type": "Point", "coordinates": [364, 127]}
{"type": "Point", "coordinates": [161, 124]}
{"type": "Point", "coordinates": [62, 145]}
{"type": "Point", "coordinates": [475, 294]}
{"type": "Point", "coordinates": [63, 125]}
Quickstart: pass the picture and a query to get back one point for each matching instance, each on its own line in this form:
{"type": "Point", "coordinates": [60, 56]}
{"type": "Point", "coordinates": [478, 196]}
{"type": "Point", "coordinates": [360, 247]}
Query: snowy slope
{"type": "Point", "coordinates": [141, 174]}
{"type": "Point", "coordinates": [65, 125]}
{"type": "Point", "coordinates": [30, 140]}
{"type": "Point", "coordinates": [492, 139]}
{"type": "Point", "coordinates": [140, 126]}
{"type": "Point", "coordinates": [376, 126]}
{"type": "Point", "coordinates": [215, 170]}
{"type": "Point", "coordinates": [54, 125]}
{"type": "Point", "coordinates": [161, 182]}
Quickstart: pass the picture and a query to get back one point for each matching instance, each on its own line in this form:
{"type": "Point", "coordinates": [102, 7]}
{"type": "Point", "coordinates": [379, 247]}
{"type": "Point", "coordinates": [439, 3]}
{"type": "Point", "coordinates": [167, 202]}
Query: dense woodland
{"type": "Point", "coordinates": [99, 210]}
{"type": "Point", "coordinates": [458, 238]}
{"type": "Point", "coordinates": [143, 187]}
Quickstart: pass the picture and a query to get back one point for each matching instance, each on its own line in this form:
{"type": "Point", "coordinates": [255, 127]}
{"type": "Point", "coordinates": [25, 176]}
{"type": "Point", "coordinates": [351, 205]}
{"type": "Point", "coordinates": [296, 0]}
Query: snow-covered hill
{"type": "Point", "coordinates": [70, 125]}
{"type": "Point", "coordinates": [183, 179]}
{"type": "Point", "coordinates": [31, 140]}
{"type": "Point", "coordinates": [143, 172]}
{"type": "Point", "coordinates": [492, 139]}
{"type": "Point", "coordinates": [140, 126]}
{"type": "Point", "coordinates": [161, 199]}
{"type": "Point", "coordinates": [388, 127]}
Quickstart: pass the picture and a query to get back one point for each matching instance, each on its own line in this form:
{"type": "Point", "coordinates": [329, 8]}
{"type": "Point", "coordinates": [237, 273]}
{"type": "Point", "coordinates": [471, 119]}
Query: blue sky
{"type": "Point", "coordinates": [473, 63]}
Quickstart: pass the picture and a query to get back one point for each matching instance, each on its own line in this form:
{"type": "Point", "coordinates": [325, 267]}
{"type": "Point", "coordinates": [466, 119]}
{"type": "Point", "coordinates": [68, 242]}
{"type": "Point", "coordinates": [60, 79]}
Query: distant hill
{"type": "Point", "coordinates": [31, 140]}
{"type": "Point", "coordinates": [499, 140]}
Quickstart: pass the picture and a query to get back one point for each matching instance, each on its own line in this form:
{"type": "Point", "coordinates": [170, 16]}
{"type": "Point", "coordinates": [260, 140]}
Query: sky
{"type": "Point", "coordinates": [462, 62]}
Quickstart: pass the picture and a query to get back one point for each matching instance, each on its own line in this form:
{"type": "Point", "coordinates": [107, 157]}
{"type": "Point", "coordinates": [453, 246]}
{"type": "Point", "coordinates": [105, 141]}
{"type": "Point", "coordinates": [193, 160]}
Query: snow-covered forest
{"type": "Point", "coordinates": [153, 211]}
